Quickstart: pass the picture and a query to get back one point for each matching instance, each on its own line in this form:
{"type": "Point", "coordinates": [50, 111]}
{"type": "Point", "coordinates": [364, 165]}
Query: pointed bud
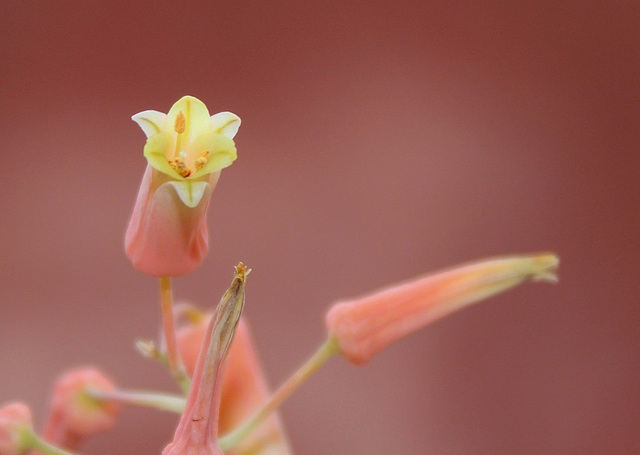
{"type": "Point", "coordinates": [366, 325]}
{"type": "Point", "coordinates": [75, 414]}
{"type": "Point", "coordinates": [15, 426]}
{"type": "Point", "coordinates": [197, 432]}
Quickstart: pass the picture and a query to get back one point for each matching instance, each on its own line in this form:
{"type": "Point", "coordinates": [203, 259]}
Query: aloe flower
{"type": "Point", "coordinates": [186, 149]}
{"type": "Point", "coordinates": [366, 325]}
{"type": "Point", "coordinates": [244, 387]}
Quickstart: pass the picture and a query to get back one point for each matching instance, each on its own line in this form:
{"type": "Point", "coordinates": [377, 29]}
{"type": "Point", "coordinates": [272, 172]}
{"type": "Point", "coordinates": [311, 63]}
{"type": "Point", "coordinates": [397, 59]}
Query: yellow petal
{"type": "Point", "coordinates": [155, 151]}
{"type": "Point", "coordinates": [222, 152]}
{"type": "Point", "coordinates": [196, 118]}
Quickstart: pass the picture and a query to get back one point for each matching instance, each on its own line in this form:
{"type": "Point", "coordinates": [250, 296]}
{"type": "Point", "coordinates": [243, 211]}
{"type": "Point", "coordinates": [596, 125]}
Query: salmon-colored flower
{"type": "Point", "coordinates": [197, 432]}
{"type": "Point", "coordinates": [244, 388]}
{"type": "Point", "coordinates": [186, 149]}
{"type": "Point", "coordinates": [75, 414]}
{"type": "Point", "coordinates": [366, 325]}
{"type": "Point", "coordinates": [15, 427]}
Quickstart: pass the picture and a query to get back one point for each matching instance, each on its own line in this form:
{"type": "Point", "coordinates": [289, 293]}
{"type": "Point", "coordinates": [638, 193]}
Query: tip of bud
{"type": "Point", "coordinates": [545, 268]}
{"type": "Point", "coordinates": [242, 271]}
{"type": "Point", "coordinates": [180, 124]}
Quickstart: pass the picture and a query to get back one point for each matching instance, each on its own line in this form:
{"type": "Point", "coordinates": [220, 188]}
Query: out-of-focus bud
{"type": "Point", "coordinates": [15, 426]}
{"type": "Point", "coordinates": [197, 432]}
{"type": "Point", "coordinates": [75, 414]}
{"type": "Point", "coordinates": [186, 149]}
{"type": "Point", "coordinates": [366, 325]}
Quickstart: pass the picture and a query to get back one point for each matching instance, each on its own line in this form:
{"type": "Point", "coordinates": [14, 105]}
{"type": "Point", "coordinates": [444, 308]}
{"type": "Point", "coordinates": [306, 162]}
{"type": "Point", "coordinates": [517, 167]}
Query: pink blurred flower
{"type": "Point", "coordinates": [244, 388]}
{"type": "Point", "coordinates": [186, 150]}
{"type": "Point", "coordinates": [366, 325]}
{"type": "Point", "coordinates": [75, 414]}
{"type": "Point", "coordinates": [15, 421]}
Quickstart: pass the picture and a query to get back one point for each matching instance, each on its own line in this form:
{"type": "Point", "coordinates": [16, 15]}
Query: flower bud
{"type": "Point", "coordinates": [75, 414]}
{"type": "Point", "coordinates": [366, 325]}
{"type": "Point", "coordinates": [15, 424]}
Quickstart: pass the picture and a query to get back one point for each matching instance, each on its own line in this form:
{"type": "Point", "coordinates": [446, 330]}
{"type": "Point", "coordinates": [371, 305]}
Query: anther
{"type": "Point", "coordinates": [202, 160]}
{"type": "Point", "coordinates": [180, 124]}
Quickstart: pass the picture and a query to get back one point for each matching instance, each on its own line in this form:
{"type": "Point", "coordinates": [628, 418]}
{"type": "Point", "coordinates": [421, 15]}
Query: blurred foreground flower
{"type": "Point", "coordinates": [244, 387]}
{"type": "Point", "coordinates": [15, 428]}
{"type": "Point", "coordinates": [186, 150]}
{"type": "Point", "coordinates": [75, 414]}
{"type": "Point", "coordinates": [364, 326]}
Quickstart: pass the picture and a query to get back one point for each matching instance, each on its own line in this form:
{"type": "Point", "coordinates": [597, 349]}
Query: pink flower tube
{"type": "Point", "coordinates": [244, 388]}
{"type": "Point", "coordinates": [366, 325]}
{"type": "Point", "coordinates": [197, 432]}
{"type": "Point", "coordinates": [186, 149]}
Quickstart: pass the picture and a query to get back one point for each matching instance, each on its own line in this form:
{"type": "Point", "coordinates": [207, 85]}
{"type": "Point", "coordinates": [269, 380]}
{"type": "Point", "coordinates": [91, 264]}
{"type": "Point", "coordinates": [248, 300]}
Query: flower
{"type": "Point", "coordinates": [186, 149]}
{"type": "Point", "coordinates": [197, 432]}
{"type": "Point", "coordinates": [244, 387]}
{"type": "Point", "coordinates": [15, 427]}
{"type": "Point", "coordinates": [74, 413]}
{"type": "Point", "coordinates": [366, 325]}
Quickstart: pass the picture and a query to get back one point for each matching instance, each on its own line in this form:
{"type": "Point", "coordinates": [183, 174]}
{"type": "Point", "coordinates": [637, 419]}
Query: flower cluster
{"type": "Point", "coordinates": [226, 406]}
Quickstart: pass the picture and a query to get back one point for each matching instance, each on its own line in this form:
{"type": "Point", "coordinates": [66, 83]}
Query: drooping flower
{"type": "Point", "coordinates": [186, 149]}
{"type": "Point", "coordinates": [244, 387]}
{"type": "Point", "coordinates": [75, 414]}
{"type": "Point", "coordinates": [197, 432]}
{"type": "Point", "coordinates": [15, 427]}
{"type": "Point", "coordinates": [364, 326]}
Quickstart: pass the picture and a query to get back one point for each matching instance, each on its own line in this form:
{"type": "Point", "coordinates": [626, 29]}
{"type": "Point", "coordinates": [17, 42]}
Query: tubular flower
{"type": "Point", "coordinates": [197, 432]}
{"type": "Point", "coordinates": [75, 414]}
{"type": "Point", "coordinates": [15, 428]}
{"type": "Point", "coordinates": [244, 388]}
{"type": "Point", "coordinates": [186, 149]}
{"type": "Point", "coordinates": [365, 326]}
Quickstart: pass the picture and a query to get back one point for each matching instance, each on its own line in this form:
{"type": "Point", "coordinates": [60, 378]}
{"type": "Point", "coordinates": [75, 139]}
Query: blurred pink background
{"type": "Point", "coordinates": [380, 141]}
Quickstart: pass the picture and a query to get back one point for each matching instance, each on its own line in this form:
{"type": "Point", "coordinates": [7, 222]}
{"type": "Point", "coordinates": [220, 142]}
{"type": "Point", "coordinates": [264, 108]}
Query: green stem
{"type": "Point", "coordinates": [155, 400]}
{"type": "Point", "coordinates": [35, 442]}
{"type": "Point", "coordinates": [319, 358]}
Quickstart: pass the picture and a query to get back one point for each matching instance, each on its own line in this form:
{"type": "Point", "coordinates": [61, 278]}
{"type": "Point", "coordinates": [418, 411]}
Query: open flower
{"type": "Point", "coordinates": [364, 326]}
{"type": "Point", "coordinates": [185, 150]}
{"type": "Point", "coordinates": [244, 386]}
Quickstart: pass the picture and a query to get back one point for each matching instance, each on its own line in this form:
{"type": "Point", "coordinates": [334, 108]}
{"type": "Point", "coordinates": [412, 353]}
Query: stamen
{"type": "Point", "coordinates": [202, 160]}
{"type": "Point", "coordinates": [180, 124]}
{"type": "Point", "coordinates": [180, 167]}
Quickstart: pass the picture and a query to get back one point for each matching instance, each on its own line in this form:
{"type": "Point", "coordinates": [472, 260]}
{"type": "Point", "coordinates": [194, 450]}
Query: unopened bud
{"type": "Point", "coordinates": [366, 325]}
{"type": "Point", "coordinates": [15, 426]}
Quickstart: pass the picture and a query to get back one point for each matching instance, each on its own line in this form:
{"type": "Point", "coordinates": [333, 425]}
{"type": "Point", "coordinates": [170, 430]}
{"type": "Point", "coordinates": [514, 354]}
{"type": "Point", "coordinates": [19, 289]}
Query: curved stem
{"type": "Point", "coordinates": [40, 445]}
{"type": "Point", "coordinates": [319, 358]}
{"type": "Point", "coordinates": [155, 400]}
